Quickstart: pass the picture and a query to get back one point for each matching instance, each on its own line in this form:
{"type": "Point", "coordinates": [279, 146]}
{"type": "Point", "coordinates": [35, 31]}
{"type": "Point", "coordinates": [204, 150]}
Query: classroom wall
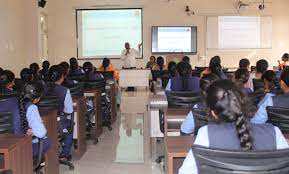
{"type": "Point", "coordinates": [18, 34]}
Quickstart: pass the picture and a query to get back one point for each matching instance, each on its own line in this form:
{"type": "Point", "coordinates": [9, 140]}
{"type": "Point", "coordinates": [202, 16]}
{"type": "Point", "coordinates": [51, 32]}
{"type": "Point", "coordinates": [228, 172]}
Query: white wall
{"type": "Point", "coordinates": [18, 34]}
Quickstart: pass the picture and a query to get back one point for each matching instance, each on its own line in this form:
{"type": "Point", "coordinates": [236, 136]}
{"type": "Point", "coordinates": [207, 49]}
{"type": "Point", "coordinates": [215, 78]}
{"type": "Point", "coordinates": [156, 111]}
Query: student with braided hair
{"type": "Point", "coordinates": [7, 82]}
{"type": "Point", "coordinates": [227, 107]}
{"type": "Point", "coordinates": [65, 110]}
{"type": "Point", "coordinates": [184, 81]}
{"type": "Point", "coordinates": [31, 121]}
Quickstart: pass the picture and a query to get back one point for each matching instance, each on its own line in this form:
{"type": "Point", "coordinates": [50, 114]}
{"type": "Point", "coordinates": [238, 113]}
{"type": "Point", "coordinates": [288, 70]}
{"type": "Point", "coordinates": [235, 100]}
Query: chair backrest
{"type": "Point", "coordinates": [108, 75]}
{"type": "Point", "coordinates": [48, 103]}
{"type": "Point", "coordinates": [6, 122]}
{"type": "Point", "coordinates": [279, 117]}
{"type": "Point", "coordinates": [258, 85]}
{"type": "Point", "coordinates": [80, 77]}
{"type": "Point", "coordinates": [182, 99]}
{"type": "Point", "coordinates": [200, 118]}
{"type": "Point", "coordinates": [90, 85]}
{"type": "Point", "coordinates": [5, 96]}
{"type": "Point", "coordinates": [76, 89]}
{"type": "Point", "coordinates": [256, 97]}
{"type": "Point", "coordinates": [215, 161]}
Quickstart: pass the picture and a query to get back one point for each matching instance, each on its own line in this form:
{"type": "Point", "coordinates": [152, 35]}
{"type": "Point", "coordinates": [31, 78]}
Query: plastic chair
{"type": "Point", "coordinates": [215, 161]}
{"type": "Point", "coordinates": [279, 117]}
{"type": "Point", "coordinates": [182, 99]}
{"type": "Point", "coordinates": [258, 85]}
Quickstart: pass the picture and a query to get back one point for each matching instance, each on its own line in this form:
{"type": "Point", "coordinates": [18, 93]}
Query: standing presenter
{"type": "Point", "coordinates": [129, 55]}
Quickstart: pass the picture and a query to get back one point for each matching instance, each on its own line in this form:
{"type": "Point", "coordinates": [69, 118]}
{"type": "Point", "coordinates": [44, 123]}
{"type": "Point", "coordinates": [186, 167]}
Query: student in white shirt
{"type": "Point", "coordinates": [227, 107]}
{"type": "Point", "coordinates": [129, 55]}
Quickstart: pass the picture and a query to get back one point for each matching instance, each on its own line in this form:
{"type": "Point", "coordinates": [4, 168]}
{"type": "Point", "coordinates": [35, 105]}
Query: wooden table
{"type": "Point", "coordinates": [112, 96]}
{"type": "Point", "coordinates": [79, 108]}
{"type": "Point", "coordinates": [176, 149]}
{"type": "Point", "coordinates": [17, 152]}
{"type": "Point", "coordinates": [96, 94]}
{"type": "Point", "coordinates": [52, 156]}
{"type": "Point", "coordinates": [173, 118]}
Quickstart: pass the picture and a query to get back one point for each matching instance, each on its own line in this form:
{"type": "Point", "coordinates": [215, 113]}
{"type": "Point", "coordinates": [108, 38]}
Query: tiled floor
{"type": "Point", "coordinates": [126, 149]}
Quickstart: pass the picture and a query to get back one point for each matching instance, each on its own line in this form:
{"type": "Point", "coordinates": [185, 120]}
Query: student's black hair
{"type": "Point", "coordinates": [1, 70]}
{"type": "Point", "coordinates": [105, 63]}
{"type": "Point", "coordinates": [285, 76]}
{"type": "Point", "coordinates": [88, 68]}
{"type": "Point", "coordinates": [160, 62]}
{"type": "Point", "coordinates": [186, 59]}
{"type": "Point", "coordinates": [5, 78]}
{"type": "Point", "coordinates": [73, 63]}
{"type": "Point", "coordinates": [185, 71]}
{"type": "Point", "coordinates": [216, 60]}
{"type": "Point", "coordinates": [45, 65]}
{"type": "Point", "coordinates": [216, 69]}
{"type": "Point", "coordinates": [207, 80]}
{"type": "Point", "coordinates": [153, 57]}
{"type": "Point", "coordinates": [285, 57]}
{"type": "Point", "coordinates": [271, 77]}
{"type": "Point", "coordinates": [31, 91]}
{"type": "Point", "coordinates": [65, 67]}
{"type": "Point", "coordinates": [26, 75]}
{"type": "Point", "coordinates": [55, 73]}
{"type": "Point", "coordinates": [172, 68]}
{"type": "Point", "coordinates": [34, 67]}
{"type": "Point", "coordinates": [244, 63]}
{"type": "Point", "coordinates": [262, 66]}
{"type": "Point", "coordinates": [227, 101]}
{"type": "Point", "coordinates": [242, 76]}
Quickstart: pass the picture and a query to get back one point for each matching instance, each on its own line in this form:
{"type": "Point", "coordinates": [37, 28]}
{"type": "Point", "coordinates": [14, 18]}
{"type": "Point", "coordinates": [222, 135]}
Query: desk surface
{"type": "Point", "coordinates": [178, 146]}
{"type": "Point", "coordinates": [172, 113]}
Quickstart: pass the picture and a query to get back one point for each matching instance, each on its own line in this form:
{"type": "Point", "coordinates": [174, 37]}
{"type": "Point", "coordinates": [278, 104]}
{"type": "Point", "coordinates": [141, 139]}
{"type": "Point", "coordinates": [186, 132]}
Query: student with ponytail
{"type": "Point", "coordinates": [31, 121]}
{"type": "Point", "coordinates": [242, 77]}
{"type": "Point", "coordinates": [65, 110]}
{"type": "Point", "coordinates": [271, 99]}
{"type": "Point", "coordinates": [7, 82]}
{"type": "Point", "coordinates": [184, 81]}
{"type": "Point", "coordinates": [228, 112]}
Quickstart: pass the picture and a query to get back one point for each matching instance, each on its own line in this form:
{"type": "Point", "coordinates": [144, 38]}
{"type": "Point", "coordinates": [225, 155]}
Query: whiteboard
{"type": "Point", "coordinates": [239, 32]}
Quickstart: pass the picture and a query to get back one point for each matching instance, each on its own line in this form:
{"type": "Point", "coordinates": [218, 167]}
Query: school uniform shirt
{"type": "Point", "coordinates": [261, 115]}
{"type": "Point", "coordinates": [175, 83]}
{"type": "Point", "coordinates": [66, 103]}
{"type": "Point", "coordinates": [76, 72]}
{"type": "Point", "coordinates": [130, 58]}
{"type": "Point", "coordinates": [110, 68]}
{"type": "Point", "coordinates": [189, 165]}
{"type": "Point", "coordinates": [35, 122]}
{"type": "Point", "coordinates": [188, 125]}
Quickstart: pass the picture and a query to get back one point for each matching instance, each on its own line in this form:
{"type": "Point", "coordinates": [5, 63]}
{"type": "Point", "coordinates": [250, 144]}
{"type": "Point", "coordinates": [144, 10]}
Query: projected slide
{"type": "Point", "coordinates": [237, 32]}
{"type": "Point", "coordinates": [102, 33]}
{"type": "Point", "coordinates": [174, 39]}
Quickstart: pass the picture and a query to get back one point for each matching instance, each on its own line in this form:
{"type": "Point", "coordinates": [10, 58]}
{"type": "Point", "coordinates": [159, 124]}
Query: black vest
{"type": "Point", "coordinates": [224, 136]}
{"type": "Point", "coordinates": [281, 101]}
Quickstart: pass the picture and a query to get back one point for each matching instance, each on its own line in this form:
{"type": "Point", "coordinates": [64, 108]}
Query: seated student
{"type": "Point", "coordinates": [65, 110]}
{"type": "Point", "coordinates": [45, 69]}
{"type": "Point", "coordinates": [75, 70]}
{"type": "Point", "coordinates": [277, 101]}
{"type": "Point", "coordinates": [285, 61]}
{"type": "Point", "coordinates": [261, 68]}
{"type": "Point", "coordinates": [271, 85]}
{"type": "Point", "coordinates": [106, 66]}
{"type": "Point", "coordinates": [241, 77]}
{"type": "Point", "coordinates": [172, 68]}
{"type": "Point", "coordinates": [151, 63]}
{"type": "Point", "coordinates": [188, 124]}
{"type": "Point", "coordinates": [34, 67]}
{"type": "Point", "coordinates": [160, 66]}
{"type": "Point", "coordinates": [214, 61]}
{"type": "Point", "coordinates": [186, 59]}
{"type": "Point", "coordinates": [66, 69]}
{"type": "Point", "coordinates": [184, 81]}
{"type": "Point", "coordinates": [7, 81]}
{"type": "Point", "coordinates": [245, 64]}
{"type": "Point", "coordinates": [26, 76]}
{"type": "Point", "coordinates": [90, 73]}
{"type": "Point", "coordinates": [231, 130]}
{"type": "Point", "coordinates": [32, 123]}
